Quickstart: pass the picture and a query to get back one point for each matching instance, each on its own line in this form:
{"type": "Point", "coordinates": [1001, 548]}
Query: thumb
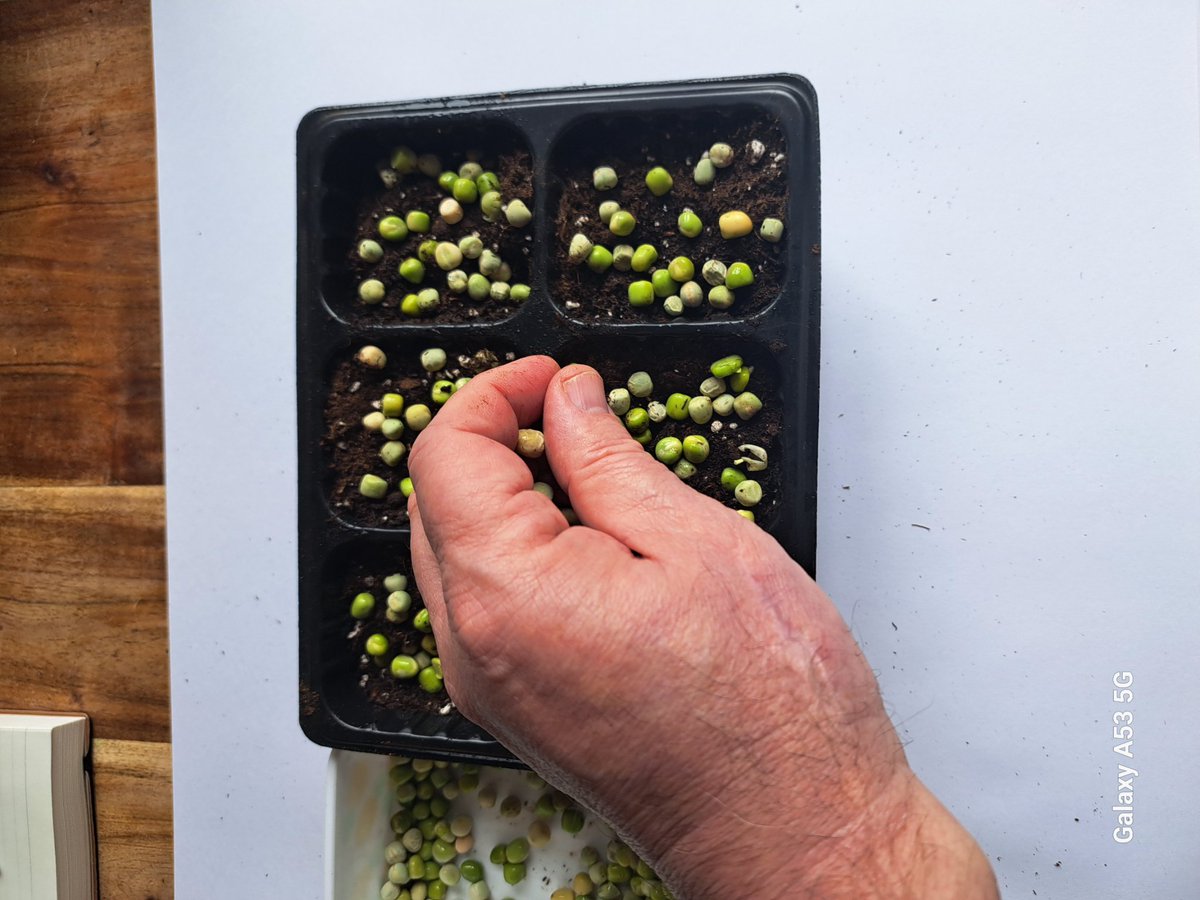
{"type": "Point", "coordinates": [615, 486]}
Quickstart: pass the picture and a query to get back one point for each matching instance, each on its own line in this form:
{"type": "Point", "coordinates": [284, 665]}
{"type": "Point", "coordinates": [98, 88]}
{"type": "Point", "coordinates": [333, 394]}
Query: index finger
{"type": "Point", "coordinates": [467, 476]}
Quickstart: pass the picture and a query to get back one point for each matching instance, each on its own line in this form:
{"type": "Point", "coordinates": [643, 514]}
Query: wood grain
{"type": "Point", "coordinates": [83, 622]}
{"type": "Point", "coordinates": [80, 381]}
{"type": "Point", "coordinates": [132, 790]}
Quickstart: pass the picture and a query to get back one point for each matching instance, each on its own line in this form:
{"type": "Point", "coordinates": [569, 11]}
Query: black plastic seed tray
{"type": "Point", "coordinates": [338, 150]}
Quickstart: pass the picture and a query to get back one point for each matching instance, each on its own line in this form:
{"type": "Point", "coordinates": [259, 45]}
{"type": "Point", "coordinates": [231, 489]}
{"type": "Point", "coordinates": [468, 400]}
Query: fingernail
{"type": "Point", "coordinates": [586, 391]}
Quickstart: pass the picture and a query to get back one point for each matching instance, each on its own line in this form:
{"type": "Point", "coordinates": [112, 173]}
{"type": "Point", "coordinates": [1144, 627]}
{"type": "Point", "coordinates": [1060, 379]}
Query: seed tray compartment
{"type": "Point", "coordinates": [777, 330]}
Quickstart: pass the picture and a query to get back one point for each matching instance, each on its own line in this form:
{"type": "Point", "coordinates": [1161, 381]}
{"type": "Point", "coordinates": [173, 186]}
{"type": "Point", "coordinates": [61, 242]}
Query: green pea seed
{"type": "Point", "coordinates": [497, 855]}
{"type": "Point", "coordinates": [362, 605]}
{"type": "Point", "coordinates": [771, 230]}
{"type": "Point", "coordinates": [619, 400]}
{"type": "Point", "coordinates": [662, 283]}
{"type": "Point", "coordinates": [637, 420]}
{"type": "Point", "coordinates": [539, 834]}
{"type": "Point", "coordinates": [403, 160]}
{"type": "Point", "coordinates": [412, 270]}
{"type": "Point", "coordinates": [479, 891]}
{"type": "Point", "coordinates": [491, 205]}
{"type": "Point", "coordinates": [426, 251]}
{"type": "Point", "coordinates": [640, 385]}
{"type": "Point", "coordinates": [518, 293]}
{"type": "Point", "coordinates": [677, 406]}
{"type": "Point", "coordinates": [738, 275]}
{"type": "Point", "coordinates": [681, 269]}
{"type": "Point", "coordinates": [392, 228]}
{"type": "Point", "coordinates": [486, 181]}
{"type": "Point", "coordinates": [713, 271]}
{"type": "Point", "coordinates": [723, 405]}
{"type": "Point", "coordinates": [731, 478]}
{"type": "Point", "coordinates": [725, 366]}
{"type": "Point", "coordinates": [644, 257]}
{"type": "Point", "coordinates": [641, 293]}
{"type": "Point", "coordinates": [418, 221]}
{"type": "Point", "coordinates": [373, 421]}
{"type": "Point", "coordinates": [471, 246]}
{"type": "Point", "coordinates": [428, 300]}
{"type": "Point", "coordinates": [668, 450]}
{"type": "Point", "coordinates": [659, 181]}
{"type": "Point", "coordinates": [607, 209]}
{"type": "Point", "coordinates": [705, 172]}
{"type": "Point", "coordinates": [514, 873]}
{"type": "Point", "coordinates": [447, 256]}
{"type": "Point", "coordinates": [623, 257]}
{"type": "Point", "coordinates": [748, 492]}
{"type": "Point", "coordinates": [691, 294]}
{"type": "Point", "coordinates": [700, 410]}
{"type": "Point", "coordinates": [720, 297]}
{"type": "Point", "coordinates": [498, 292]}
{"type": "Point", "coordinates": [464, 190]}
{"type": "Point", "coordinates": [673, 306]}
{"type": "Point", "coordinates": [518, 214]}
{"type": "Point", "coordinates": [404, 667]}
{"type": "Point", "coordinates": [478, 287]}
{"type": "Point", "coordinates": [622, 223]}
{"type": "Point", "coordinates": [684, 469]}
{"type": "Point", "coordinates": [489, 263]}
{"type": "Point", "coordinates": [399, 601]}
{"type": "Point", "coordinates": [373, 486]}
{"type": "Point", "coordinates": [689, 224]}
{"type": "Point", "coordinates": [604, 178]}
{"type": "Point", "coordinates": [431, 683]}
{"type": "Point", "coordinates": [746, 405]}
{"type": "Point", "coordinates": [377, 645]}
{"type": "Point", "coordinates": [510, 806]}
{"type": "Point", "coordinates": [409, 305]}
{"type": "Point", "coordinates": [470, 169]}
{"type": "Point", "coordinates": [712, 387]}
{"type": "Point", "coordinates": [517, 850]}
{"type": "Point", "coordinates": [471, 870]}
{"type": "Point", "coordinates": [599, 259]}
{"type": "Point", "coordinates": [579, 249]}
{"type": "Point", "coordinates": [392, 453]}
{"type": "Point", "coordinates": [417, 416]}
{"type": "Point", "coordinates": [406, 487]}
{"type": "Point", "coordinates": [740, 379]}
{"type": "Point", "coordinates": [721, 155]}
{"type": "Point", "coordinates": [695, 448]}
{"type": "Point", "coordinates": [441, 391]}
{"type": "Point", "coordinates": [370, 251]}
{"type": "Point", "coordinates": [371, 291]}
{"type": "Point", "coordinates": [446, 180]}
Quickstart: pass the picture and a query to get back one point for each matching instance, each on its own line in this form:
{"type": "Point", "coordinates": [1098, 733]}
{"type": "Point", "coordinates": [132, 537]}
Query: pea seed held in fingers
{"type": "Point", "coordinates": [531, 443]}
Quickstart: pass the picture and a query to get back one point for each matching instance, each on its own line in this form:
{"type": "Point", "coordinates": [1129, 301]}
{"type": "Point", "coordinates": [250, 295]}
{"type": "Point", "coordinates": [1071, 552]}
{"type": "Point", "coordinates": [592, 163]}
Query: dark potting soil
{"type": "Point", "coordinates": [420, 192]}
{"type": "Point", "coordinates": [758, 189]}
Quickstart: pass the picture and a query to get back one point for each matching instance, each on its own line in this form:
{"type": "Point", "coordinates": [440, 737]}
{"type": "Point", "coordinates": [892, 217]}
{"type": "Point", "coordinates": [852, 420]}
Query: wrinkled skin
{"type": "Point", "coordinates": [665, 661]}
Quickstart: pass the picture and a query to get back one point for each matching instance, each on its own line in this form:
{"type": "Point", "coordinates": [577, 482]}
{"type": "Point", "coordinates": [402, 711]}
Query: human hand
{"type": "Point", "coordinates": [665, 661]}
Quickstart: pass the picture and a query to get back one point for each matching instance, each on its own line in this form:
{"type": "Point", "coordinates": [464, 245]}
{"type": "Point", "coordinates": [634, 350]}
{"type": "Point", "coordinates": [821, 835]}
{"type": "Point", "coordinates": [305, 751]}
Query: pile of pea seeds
{"type": "Point", "coordinates": [430, 257]}
{"type": "Point", "coordinates": [476, 833]}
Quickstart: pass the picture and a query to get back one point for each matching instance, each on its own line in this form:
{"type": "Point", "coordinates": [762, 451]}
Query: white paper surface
{"type": "Point", "coordinates": [1011, 216]}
